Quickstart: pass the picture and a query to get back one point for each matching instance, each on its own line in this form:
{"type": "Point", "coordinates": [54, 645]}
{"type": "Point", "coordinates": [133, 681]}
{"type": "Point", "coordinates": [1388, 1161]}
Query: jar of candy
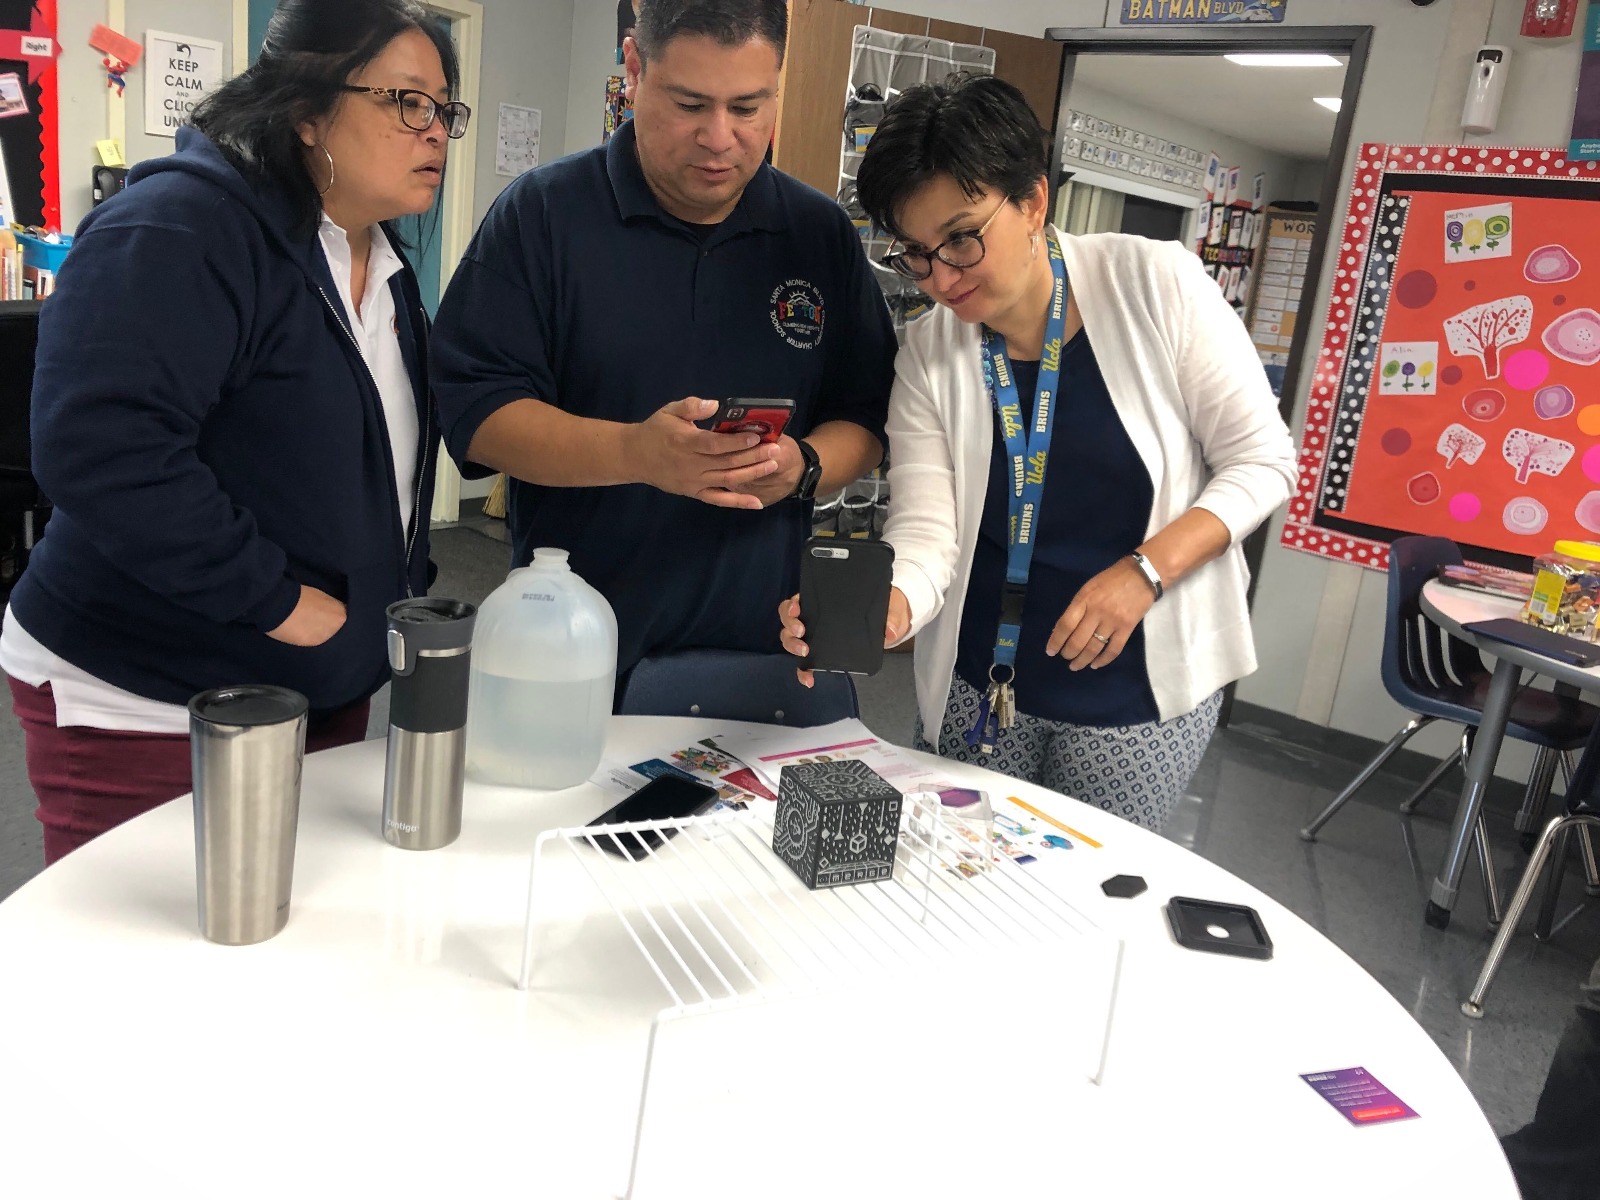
{"type": "Point", "coordinates": [1566, 590]}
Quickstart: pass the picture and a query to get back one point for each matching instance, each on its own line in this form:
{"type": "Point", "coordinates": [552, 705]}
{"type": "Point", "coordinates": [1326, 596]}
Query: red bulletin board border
{"type": "Point", "coordinates": [1374, 161]}
{"type": "Point", "coordinates": [49, 123]}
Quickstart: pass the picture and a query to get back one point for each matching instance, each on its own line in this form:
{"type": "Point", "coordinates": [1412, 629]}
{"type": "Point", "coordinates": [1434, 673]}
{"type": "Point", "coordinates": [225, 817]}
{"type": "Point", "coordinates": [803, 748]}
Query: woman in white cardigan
{"type": "Point", "coordinates": [1080, 436]}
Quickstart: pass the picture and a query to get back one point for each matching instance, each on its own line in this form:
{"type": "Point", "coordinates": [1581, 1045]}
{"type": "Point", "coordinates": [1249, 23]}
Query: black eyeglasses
{"type": "Point", "coordinates": [418, 109]}
{"type": "Point", "coordinates": [964, 248]}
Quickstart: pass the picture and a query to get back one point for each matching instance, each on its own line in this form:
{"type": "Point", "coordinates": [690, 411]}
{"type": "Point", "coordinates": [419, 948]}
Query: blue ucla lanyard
{"type": "Point", "coordinates": [1027, 452]}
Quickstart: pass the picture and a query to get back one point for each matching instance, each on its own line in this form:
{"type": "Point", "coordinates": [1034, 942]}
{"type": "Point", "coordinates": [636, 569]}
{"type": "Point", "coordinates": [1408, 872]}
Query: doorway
{"type": "Point", "coordinates": [1152, 114]}
{"type": "Point", "coordinates": [1153, 219]}
{"type": "Point", "coordinates": [1169, 99]}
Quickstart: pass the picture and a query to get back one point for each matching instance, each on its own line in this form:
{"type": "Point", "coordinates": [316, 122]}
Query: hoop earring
{"type": "Point", "coordinates": [323, 191]}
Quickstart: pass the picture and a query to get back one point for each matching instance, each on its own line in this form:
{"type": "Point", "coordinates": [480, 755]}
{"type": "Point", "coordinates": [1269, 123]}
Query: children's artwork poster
{"type": "Point", "coordinates": [1457, 392]}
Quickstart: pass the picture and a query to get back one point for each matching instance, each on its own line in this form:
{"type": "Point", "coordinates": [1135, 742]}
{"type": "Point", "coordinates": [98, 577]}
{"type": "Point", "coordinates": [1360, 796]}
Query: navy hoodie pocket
{"type": "Point", "coordinates": [351, 664]}
{"type": "Point", "coordinates": [332, 582]}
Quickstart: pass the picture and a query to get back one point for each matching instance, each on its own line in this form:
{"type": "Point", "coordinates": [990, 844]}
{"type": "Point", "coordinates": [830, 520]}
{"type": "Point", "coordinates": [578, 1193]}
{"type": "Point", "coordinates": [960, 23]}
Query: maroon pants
{"type": "Point", "coordinates": [91, 780]}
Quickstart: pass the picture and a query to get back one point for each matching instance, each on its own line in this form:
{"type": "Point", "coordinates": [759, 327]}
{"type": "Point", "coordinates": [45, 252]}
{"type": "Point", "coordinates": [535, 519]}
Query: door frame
{"type": "Point", "coordinates": [1352, 41]}
{"type": "Point", "coordinates": [458, 218]}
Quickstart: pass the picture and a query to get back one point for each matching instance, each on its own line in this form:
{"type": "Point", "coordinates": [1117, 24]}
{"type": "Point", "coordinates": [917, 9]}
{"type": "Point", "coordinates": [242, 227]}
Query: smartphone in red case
{"type": "Point", "coordinates": [768, 418]}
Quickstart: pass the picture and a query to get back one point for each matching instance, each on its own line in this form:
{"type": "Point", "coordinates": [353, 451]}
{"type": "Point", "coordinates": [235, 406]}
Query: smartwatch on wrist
{"type": "Point", "coordinates": [810, 472]}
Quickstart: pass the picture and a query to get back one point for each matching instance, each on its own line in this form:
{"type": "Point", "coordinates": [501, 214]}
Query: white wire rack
{"type": "Point", "coordinates": [722, 923]}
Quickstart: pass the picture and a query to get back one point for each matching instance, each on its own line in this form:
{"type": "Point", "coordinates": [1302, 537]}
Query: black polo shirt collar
{"type": "Point", "coordinates": [760, 207]}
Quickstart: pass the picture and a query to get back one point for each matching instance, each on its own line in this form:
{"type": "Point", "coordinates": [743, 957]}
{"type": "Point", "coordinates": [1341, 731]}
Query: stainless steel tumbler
{"type": "Point", "coordinates": [246, 746]}
{"type": "Point", "coordinates": [430, 653]}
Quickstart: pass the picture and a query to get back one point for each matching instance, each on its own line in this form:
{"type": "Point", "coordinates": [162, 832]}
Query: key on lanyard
{"type": "Point", "coordinates": [997, 713]}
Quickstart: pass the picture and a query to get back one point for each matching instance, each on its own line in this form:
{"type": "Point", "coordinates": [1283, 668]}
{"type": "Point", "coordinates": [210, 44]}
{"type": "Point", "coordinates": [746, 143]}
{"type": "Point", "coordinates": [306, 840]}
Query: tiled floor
{"type": "Point", "coordinates": [1363, 884]}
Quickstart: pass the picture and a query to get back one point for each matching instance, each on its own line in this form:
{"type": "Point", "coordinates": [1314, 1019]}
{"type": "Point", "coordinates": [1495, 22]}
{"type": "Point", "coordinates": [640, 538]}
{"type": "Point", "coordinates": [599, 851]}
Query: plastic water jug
{"type": "Point", "coordinates": [544, 666]}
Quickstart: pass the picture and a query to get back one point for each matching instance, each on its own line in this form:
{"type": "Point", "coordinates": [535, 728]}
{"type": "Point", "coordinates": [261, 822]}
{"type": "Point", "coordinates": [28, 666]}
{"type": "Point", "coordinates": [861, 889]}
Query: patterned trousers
{"type": "Point", "coordinates": [1136, 772]}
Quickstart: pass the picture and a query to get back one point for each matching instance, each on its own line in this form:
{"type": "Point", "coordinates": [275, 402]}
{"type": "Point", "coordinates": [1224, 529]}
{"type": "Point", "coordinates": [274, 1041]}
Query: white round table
{"type": "Point", "coordinates": [379, 1046]}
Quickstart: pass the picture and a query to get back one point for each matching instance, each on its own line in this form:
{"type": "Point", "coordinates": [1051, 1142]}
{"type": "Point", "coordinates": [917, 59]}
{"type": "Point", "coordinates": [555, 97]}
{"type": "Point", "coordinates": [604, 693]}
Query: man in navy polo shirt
{"type": "Point", "coordinates": [607, 294]}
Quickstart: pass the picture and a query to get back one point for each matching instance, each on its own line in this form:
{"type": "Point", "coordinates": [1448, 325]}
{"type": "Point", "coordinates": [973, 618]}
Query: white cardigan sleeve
{"type": "Point", "coordinates": [1231, 409]}
{"type": "Point", "coordinates": [922, 513]}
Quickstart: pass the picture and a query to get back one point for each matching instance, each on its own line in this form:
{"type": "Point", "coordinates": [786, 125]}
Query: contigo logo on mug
{"type": "Point", "coordinates": [401, 826]}
{"type": "Point", "coordinates": [545, 596]}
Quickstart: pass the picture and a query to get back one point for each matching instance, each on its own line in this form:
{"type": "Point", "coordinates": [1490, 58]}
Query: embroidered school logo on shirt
{"type": "Point", "coordinates": [797, 313]}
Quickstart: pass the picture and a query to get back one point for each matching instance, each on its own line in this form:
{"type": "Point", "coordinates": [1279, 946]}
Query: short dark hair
{"type": "Point", "coordinates": [311, 48]}
{"type": "Point", "coordinates": [727, 22]}
{"type": "Point", "coordinates": [976, 129]}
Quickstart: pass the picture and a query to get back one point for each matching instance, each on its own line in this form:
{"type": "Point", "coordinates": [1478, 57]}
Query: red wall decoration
{"type": "Point", "coordinates": [1457, 391]}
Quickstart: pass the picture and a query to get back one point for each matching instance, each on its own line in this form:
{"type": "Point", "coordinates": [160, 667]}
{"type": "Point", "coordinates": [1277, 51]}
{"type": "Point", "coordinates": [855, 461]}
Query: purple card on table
{"type": "Point", "coordinates": [1360, 1097]}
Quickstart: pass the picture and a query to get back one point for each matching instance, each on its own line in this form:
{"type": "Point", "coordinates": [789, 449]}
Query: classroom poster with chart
{"type": "Point", "coordinates": [516, 144]}
{"type": "Point", "coordinates": [1457, 392]}
{"type": "Point", "coordinates": [1280, 282]}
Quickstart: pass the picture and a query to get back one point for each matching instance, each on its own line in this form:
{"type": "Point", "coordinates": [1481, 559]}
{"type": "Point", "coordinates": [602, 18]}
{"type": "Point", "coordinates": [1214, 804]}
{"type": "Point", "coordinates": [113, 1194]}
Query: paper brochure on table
{"type": "Point", "coordinates": [744, 767]}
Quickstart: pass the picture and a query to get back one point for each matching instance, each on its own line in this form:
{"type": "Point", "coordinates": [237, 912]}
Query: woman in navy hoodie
{"type": "Point", "coordinates": [231, 416]}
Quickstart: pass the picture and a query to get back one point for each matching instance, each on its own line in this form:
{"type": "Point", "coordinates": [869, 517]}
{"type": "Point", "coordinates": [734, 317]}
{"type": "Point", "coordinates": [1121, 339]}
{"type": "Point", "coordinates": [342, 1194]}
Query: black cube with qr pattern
{"type": "Point", "coordinates": [837, 823]}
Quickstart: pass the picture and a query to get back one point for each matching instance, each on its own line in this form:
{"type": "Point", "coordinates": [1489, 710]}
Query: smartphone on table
{"type": "Point", "coordinates": [768, 418]}
{"type": "Point", "coordinates": [844, 603]}
{"type": "Point", "coordinates": [1559, 646]}
{"type": "Point", "coordinates": [664, 798]}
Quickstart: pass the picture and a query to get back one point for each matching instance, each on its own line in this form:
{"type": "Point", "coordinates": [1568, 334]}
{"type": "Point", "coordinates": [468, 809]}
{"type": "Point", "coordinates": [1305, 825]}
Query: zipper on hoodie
{"type": "Point", "coordinates": [409, 539]}
{"type": "Point", "coordinates": [424, 453]}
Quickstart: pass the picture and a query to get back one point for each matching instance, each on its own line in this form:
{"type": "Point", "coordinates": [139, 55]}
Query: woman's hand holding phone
{"type": "Point", "coordinates": [794, 629]}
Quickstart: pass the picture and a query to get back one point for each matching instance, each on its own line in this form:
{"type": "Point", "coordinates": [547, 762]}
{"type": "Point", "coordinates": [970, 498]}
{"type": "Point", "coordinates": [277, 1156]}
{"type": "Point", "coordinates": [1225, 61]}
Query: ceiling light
{"type": "Point", "coordinates": [1284, 60]}
{"type": "Point", "coordinates": [1331, 103]}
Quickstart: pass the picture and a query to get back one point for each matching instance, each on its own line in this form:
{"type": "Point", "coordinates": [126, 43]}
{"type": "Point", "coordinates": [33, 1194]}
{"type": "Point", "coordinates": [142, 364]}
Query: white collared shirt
{"type": "Point", "coordinates": [376, 331]}
{"type": "Point", "coordinates": [81, 698]}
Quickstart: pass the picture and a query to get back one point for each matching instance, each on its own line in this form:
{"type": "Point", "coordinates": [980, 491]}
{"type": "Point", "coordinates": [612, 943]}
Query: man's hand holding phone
{"type": "Point", "coordinates": [767, 419]}
{"type": "Point", "coordinates": [672, 453]}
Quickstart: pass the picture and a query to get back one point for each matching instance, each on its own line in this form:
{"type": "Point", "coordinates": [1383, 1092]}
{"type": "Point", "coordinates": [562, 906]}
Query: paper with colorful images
{"type": "Point", "coordinates": [1408, 368]}
{"type": "Point", "coordinates": [1499, 444]}
{"type": "Point", "coordinates": [1361, 1098]}
{"type": "Point", "coordinates": [1475, 234]}
{"type": "Point", "coordinates": [767, 751]}
{"type": "Point", "coordinates": [704, 762]}
{"type": "Point", "coordinates": [708, 759]}
{"type": "Point", "coordinates": [13, 99]}
{"type": "Point", "coordinates": [1021, 836]}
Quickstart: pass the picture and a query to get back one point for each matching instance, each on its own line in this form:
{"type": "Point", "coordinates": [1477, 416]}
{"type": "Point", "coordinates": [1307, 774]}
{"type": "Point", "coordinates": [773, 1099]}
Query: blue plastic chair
{"type": "Point", "coordinates": [1439, 677]}
{"type": "Point", "coordinates": [734, 685]}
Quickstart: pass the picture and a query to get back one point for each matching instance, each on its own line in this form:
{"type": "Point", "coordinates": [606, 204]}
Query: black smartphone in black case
{"type": "Point", "coordinates": [664, 798]}
{"type": "Point", "coordinates": [844, 603]}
